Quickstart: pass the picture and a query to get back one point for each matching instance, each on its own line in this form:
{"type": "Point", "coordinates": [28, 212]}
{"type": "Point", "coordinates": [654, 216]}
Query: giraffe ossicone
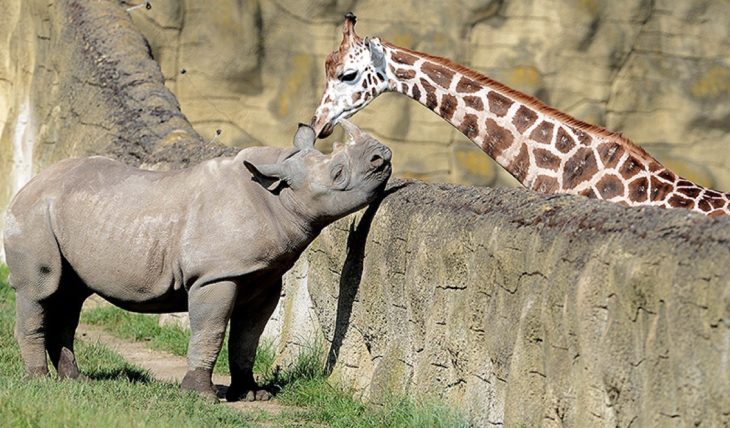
{"type": "Point", "coordinates": [545, 149]}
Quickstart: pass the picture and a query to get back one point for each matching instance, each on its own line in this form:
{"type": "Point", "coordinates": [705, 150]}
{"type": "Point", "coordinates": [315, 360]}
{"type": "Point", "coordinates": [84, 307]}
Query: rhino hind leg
{"type": "Point", "coordinates": [30, 335]}
{"type": "Point", "coordinates": [62, 320]}
{"type": "Point", "coordinates": [247, 323]}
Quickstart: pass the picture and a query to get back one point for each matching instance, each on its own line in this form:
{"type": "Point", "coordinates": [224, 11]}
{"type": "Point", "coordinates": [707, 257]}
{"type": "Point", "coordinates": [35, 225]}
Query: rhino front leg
{"type": "Point", "coordinates": [247, 323]}
{"type": "Point", "coordinates": [209, 309]}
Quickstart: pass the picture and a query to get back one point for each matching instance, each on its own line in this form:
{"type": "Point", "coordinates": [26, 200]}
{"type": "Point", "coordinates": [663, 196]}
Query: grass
{"type": "Point", "coordinates": [120, 394]}
{"type": "Point", "coordinates": [302, 384]}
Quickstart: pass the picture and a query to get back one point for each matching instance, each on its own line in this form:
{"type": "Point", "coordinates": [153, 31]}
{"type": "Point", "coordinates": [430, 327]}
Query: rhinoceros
{"type": "Point", "coordinates": [213, 239]}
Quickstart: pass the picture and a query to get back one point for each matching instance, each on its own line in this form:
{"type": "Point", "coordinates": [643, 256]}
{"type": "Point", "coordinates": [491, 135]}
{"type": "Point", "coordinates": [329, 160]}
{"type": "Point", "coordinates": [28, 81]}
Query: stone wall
{"type": "Point", "coordinates": [521, 309]}
{"type": "Point", "coordinates": [656, 70]}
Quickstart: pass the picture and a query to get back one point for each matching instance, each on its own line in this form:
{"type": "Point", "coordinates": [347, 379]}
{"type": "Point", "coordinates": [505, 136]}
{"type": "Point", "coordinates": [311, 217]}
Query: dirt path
{"type": "Point", "coordinates": [166, 367]}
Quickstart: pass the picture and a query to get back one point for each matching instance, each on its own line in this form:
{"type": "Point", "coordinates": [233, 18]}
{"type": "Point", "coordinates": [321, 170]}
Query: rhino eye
{"type": "Point", "coordinates": [347, 77]}
{"type": "Point", "coordinates": [337, 173]}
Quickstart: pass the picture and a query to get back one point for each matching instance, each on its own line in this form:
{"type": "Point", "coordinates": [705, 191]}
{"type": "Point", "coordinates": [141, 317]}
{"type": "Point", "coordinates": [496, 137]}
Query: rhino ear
{"type": "Point", "coordinates": [304, 138]}
{"type": "Point", "coordinates": [271, 176]}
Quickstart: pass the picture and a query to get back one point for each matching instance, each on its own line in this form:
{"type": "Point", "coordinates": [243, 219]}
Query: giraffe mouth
{"type": "Point", "coordinates": [327, 130]}
{"type": "Point", "coordinates": [329, 127]}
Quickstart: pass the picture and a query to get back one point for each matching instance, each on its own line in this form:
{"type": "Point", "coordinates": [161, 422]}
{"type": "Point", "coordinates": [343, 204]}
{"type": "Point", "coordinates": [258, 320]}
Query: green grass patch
{"type": "Point", "coordinates": [302, 384]}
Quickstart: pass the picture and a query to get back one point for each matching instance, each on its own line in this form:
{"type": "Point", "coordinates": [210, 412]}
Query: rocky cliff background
{"type": "Point", "coordinates": [656, 70]}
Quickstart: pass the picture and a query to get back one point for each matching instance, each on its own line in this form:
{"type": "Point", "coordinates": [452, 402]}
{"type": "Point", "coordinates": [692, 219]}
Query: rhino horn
{"type": "Point", "coordinates": [354, 134]}
{"type": "Point", "coordinates": [304, 137]}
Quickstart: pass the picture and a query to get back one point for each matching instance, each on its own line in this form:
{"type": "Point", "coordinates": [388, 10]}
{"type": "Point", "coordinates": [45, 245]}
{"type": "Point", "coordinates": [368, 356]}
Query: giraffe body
{"type": "Point", "coordinates": [544, 149]}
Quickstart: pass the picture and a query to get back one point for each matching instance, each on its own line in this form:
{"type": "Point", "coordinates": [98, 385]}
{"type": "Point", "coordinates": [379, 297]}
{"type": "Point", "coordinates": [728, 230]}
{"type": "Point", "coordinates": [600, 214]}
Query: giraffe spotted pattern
{"type": "Point", "coordinates": [545, 149]}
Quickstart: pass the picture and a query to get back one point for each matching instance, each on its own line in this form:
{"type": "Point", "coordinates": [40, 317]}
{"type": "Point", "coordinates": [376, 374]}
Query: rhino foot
{"type": "Point", "coordinates": [36, 372]}
{"type": "Point", "coordinates": [247, 393]}
{"type": "Point", "coordinates": [198, 380]}
{"type": "Point", "coordinates": [67, 368]}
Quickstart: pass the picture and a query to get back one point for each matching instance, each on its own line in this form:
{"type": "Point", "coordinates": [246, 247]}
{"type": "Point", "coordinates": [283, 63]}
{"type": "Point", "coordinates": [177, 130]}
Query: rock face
{"type": "Point", "coordinates": [656, 70]}
{"type": "Point", "coordinates": [77, 79]}
{"type": "Point", "coordinates": [521, 309]}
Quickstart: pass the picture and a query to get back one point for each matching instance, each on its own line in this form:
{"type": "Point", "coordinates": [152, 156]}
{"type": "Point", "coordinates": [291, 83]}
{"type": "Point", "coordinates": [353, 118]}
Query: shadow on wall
{"type": "Point", "coordinates": [352, 275]}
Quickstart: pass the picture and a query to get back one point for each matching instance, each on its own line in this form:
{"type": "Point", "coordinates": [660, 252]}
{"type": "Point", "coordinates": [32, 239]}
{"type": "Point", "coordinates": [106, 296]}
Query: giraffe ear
{"type": "Point", "coordinates": [376, 53]}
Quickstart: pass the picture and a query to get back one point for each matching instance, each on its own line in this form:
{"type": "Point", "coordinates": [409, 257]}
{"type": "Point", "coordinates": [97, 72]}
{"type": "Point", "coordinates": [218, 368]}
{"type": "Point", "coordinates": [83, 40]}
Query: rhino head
{"type": "Point", "coordinates": [324, 188]}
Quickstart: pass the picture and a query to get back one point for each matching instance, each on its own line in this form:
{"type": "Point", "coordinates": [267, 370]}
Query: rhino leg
{"type": "Point", "coordinates": [30, 335]}
{"type": "Point", "coordinates": [209, 309]}
{"type": "Point", "coordinates": [247, 323]}
{"type": "Point", "coordinates": [62, 320]}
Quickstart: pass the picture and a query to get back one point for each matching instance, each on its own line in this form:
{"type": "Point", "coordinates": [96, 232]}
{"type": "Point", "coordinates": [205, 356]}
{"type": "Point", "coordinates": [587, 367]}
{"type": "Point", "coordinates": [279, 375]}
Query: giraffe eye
{"type": "Point", "coordinates": [348, 76]}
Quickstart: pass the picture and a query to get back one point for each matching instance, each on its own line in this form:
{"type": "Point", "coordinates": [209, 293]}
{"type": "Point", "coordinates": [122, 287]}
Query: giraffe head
{"type": "Point", "coordinates": [355, 76]}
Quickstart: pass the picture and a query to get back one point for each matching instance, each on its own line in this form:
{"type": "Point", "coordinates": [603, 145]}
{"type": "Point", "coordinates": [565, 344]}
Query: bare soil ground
{"type": "Point", "coordinates": [170, 368]}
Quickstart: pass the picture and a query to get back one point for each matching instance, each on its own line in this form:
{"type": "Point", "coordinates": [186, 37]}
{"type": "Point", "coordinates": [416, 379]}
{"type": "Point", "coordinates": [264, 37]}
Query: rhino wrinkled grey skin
{"type": "Point", "coordinates": [213, 239]}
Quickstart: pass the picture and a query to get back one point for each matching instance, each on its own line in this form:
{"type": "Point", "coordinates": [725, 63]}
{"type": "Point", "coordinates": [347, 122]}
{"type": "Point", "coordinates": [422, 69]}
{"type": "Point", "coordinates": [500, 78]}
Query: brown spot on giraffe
{"type": "Point", "coordinates": [589, 193]}
{"type": "Point", "coordinates": [545, 159]}
{"type": "Point", "coordinates": [403, 58]}
{"type": "Point", "coordinates": [679, 201]}
{"type": "Point", "coordinates": [520, 166]}
{"type": "Point", "coordinates": [630, 167]}
{"type": "Point", "coordinates": [659, 189]}
{"type": "Point", "coordinates": [713, 193]}
{"type": "Point", "coordinates": [497, 139]}
{"type": "Point", "coordinates": [448, 106]}
{"type": "Point", "coordinates": [438, 74]}
{"type": "Point", "coordinates": [610, 186]}
{"type": "Point", "coordinates": [405, 74]}
{"type": "Point", "coordinates": [704, 205]}
{"type": "Point", "coordinates": [610, 154]}
{"type": "Point", "coordinates": [469, 126]}
{"type": "Point", "coordinates": [582, 136]}
{"type": "Point", "coordinates": [416, 92]}
{"type": "Point", "coordinates": [524, 118]}
{"type": "Point", "coordinates": [716, 213]}
{"type": "Point", "coordinates": [498, 103]}
{"type": "Point", "coordinates": [404, 88]}
{"type": "Point", "coordinates": [717, 202]}
{"type": "Point", "coordinates": [564, 142]}
{"type": "Point", "coordinates": [356, 97]}
{"type": "Point", "coordinates": [667, 175]}
{"type": "Point", "coordinates": [685, 183]}
{"type": "Point", "coordinates": [690, 192]}
{"type": "Point", "coordinates": [655, 166]}
{"type": "Point", "coordinates": [431, 101]}
{"type": "Point", "coordinates": [639, 189]}
{"type": "Point", "coordinates": [474, 102]}
{"type": "Point", "coordinates": [545, 184]}
{"type": "Point", "coordinates": [579, 168]}
{"type": "Point", "coordinates": [543, 133]}
{"type": "Point", "coordinates": [467, 86]}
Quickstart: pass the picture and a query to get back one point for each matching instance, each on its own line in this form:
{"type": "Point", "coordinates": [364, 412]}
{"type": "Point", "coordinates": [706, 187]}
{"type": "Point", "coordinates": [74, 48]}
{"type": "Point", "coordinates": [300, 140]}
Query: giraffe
{"type": "Point", "coordinates": [543, 148]}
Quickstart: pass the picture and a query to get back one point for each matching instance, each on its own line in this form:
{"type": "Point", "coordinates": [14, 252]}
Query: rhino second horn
{"type": "Point", "coordinates": [353, 132]}
{"type": "Point", "coordinates": [304, 137]}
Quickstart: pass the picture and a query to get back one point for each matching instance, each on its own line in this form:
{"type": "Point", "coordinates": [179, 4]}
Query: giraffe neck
{"type": "Point", "coordinates": [544, 149]}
